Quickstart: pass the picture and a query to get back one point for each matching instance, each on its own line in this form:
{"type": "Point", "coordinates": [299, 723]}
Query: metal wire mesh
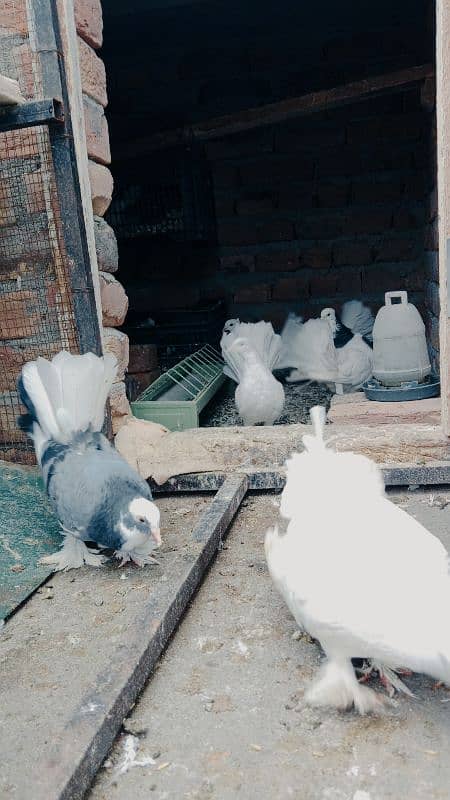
{"type": "Point", "coordinates": [36, 314]}
{"type": "Point", "coordinates": [36, 303]}
{"type": "Point", "coordinates": [165, 195]}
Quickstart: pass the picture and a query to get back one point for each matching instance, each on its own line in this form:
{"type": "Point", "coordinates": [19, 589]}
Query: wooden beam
{"type": "Point", "coordinates": [281, 111]}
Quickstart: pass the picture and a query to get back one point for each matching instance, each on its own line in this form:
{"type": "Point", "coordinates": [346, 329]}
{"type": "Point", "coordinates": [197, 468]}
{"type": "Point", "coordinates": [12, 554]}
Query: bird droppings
{"type": "Point", "coordinates": [305, 753]}
{"type": "Point", "coordinates": [129, 758]}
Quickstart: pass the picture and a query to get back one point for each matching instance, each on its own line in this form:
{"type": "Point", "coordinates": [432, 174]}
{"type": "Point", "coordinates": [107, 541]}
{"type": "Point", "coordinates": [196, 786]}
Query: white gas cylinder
{"type": "Point", "coordinates": [400, 352]}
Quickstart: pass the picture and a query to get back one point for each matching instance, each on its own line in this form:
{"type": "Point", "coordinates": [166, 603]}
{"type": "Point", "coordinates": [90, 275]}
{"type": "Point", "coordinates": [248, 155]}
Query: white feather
{"type": "Point", "coordinates": [259, 335]}
{"type": "Point", "coordinates": [68, 393]}
{"type": "Point", "coordinates": [359, 574]}
{"type": "Point", "coordinates": [316, 355]}
{"type": "Point", "coordinates": [355, 362]}
{"type": "Point", "coordinates": [358, 318]}
{"type": "Point", "coordinates": [259, 396]}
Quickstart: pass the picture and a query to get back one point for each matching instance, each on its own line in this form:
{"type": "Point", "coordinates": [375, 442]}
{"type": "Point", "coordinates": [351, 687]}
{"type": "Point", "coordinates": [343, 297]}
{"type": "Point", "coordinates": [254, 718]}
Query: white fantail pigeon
{"type": "Point", "coordinates": [97, 496]}
{"type": "Point", "coordinates": [259, 396]}
{"type": "Point", "coordinates": [387, 602]}
{"type": "Point", "coordinates": [250, 352]}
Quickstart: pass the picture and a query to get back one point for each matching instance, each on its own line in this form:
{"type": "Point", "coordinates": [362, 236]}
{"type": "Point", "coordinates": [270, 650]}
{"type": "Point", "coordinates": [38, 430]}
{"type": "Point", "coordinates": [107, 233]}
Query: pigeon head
{"type": "Point", "coordinates": [230, 325]}
{"type": "Point", "coordinates": [329, 314]}
{"type": "Point", "coordinates": [138, 526]}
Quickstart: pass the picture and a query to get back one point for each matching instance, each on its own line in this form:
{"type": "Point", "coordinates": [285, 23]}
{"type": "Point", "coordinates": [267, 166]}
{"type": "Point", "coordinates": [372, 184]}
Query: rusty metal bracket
{"type": "Point", "coordinates": [28, 115]}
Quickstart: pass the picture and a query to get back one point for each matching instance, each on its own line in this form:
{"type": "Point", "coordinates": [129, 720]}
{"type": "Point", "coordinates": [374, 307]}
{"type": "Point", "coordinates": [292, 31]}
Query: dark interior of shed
{"type": "Point", "coordinates": [270, 157]}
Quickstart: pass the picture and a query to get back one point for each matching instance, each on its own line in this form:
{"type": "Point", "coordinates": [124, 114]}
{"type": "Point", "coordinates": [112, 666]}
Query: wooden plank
{"type": "Point", "coordinates": [281, 111]}
{"type": "Point", "coordinates": [433, 474]}
{"type": "Point", "coordinates": [76, 754]}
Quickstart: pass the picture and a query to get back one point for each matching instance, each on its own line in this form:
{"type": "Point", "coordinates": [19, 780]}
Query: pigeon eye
{"type": "Point", "coordinates": [141, 519]}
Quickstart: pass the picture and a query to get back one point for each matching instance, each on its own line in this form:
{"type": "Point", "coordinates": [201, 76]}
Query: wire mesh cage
{"type": "Point", "coordinates": [47, 298]}
{"type": "Point", "coordinates": [164, 195]}
{"type": "Point", "coordinates": [36, 309]}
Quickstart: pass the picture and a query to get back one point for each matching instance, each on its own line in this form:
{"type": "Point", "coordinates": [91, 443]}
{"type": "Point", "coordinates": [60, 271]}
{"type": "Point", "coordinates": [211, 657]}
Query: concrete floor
{"type": "Point", "coordinates": [223, 716]}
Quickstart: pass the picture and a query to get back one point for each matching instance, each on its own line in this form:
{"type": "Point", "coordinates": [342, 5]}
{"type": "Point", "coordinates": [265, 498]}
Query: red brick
{"type": "Point", "coordinates": [20, 315]}
{"type": "Point", "coordinates": [259, 293]}
{"type": "Point", "coordinates": [325, 284]}
{"type": "Point", "coordinates": [333, 195]}
{"type": "Point", "coordinates": [395, 250]}
{"type": "Point", "coordinates": [254, 203]}
{"type": "Point", "coordinates": [363, 130]}
{"type": "Point", "coordinates": [97, 136]}
{"type": "Point", "coordinates": [376, 191]}
{"type": "Point", "coordinates": [316, 257]}
{"type": "Point", "coordinates": [433, 205]}
{"type": "Point", "coordinates": [272, 171]}
{"type": "Point", "coordinates": [293, 288]}
{"type": "Point", "coordinates": [24, 59]}
{"type": "Point", "coordinates": [143, 358]}
{"type": "Point", "coordinates": [368, 221]}
{"type": "Point", "coordinates": [93, 73]}
{"type": "Point", "coordinates": [89, 21]}
{"type": "Point", "coordinates": [289, 140]}
{"type": "Point", "coordinates": [432, 236]}
{"type": "Point", "coordinates": [431, 260]}
{"type": "Point", "coordinates": [432, 301]}
{"type": "Point", "coordinates": [276, 230]}
{"type": "Point", "coordinates": [321, 226]}
{"type": "Point", "coordinates": [295, 197]}
{"type": "Point", "coordinates": [407, 218]}
{"type": "Point", "coordinates": [348, 253]}
{"type": "Point", "coordinates": [402, 126]}
{"type": "Point", "coordinates": [7, 197]}
{"type": "Point", "coordinates": [277, 261]}
{"type": "Point", "coordinates": [349, 282]}
{"type": "Point", "coordinates": [244, 144]}
{"type": "Point", "coordinates": [13, 16]}
{"type": "Point", "coordinates": [238, 263]}
{"type": "Point", "coordinates": [413, 280]}
{"type": "Point", "coordinates": [102, 185]}
{"type": "Point", "coordinates": [34, 185]}
{"type": "Point", "coordinates": [382, 280]}
{"type": "Point", "coordinates": [19, 144]}
{"type": "Point", "coordinates": [236, 232]}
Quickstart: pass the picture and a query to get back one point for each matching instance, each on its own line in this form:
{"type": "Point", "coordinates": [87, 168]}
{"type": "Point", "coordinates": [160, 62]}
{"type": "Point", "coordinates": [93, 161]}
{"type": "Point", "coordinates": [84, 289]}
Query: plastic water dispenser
{"type": "Point", "coordinates": [399, 343]}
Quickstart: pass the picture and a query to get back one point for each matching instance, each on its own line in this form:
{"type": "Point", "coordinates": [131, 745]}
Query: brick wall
{"type": "Point", "coordinates": [89, 25]}
{"type": "Point", "coordinates": [314, 212]}
{"type": "Point", "coordinates": [309, 214]}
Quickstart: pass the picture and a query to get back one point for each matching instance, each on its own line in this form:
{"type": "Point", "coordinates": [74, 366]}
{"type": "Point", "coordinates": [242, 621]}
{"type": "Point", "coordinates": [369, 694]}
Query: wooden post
{"type": "Point", "coordinates": [443, 159]}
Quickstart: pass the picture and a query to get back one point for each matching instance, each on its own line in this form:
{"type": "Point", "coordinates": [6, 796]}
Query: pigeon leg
{"type": "Point", "coordinates": [389, 678]}
{"type": "Point", "coordinates": [337, 687]}
{"type": "Point", "coordinates": [72, 555]}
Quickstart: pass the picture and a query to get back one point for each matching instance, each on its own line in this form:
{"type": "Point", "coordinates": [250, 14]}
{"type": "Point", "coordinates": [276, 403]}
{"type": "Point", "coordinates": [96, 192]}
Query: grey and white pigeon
{"type": "Point", "coordinates": [97, 496]}
{"type": "Point", "coordinates": [388, 604]}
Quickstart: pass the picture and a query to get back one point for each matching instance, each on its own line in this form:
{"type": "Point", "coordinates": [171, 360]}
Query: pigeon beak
{"type": "Point", "coordinates": [156, 533]}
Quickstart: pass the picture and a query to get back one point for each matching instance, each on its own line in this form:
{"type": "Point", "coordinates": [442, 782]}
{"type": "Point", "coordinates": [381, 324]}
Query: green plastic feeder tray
{"type": "Point", "coordinates": [176, 399]}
